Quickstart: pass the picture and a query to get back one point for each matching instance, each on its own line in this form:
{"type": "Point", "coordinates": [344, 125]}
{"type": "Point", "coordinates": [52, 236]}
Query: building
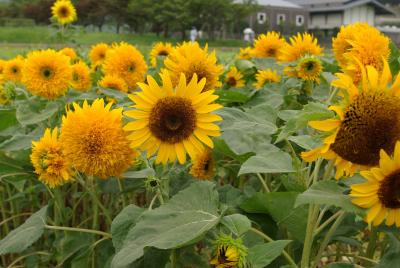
{"type": "Point", "coordinates": [278, 15]}
{"type": "Point", "coordinates": [331, 14]}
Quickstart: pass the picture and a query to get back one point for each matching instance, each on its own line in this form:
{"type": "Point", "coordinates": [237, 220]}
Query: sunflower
{"type": "Point", "coordinates": [2, 64]}
{"type": "Point", "coordinates": [64, 11]}
{"type": "Point", "coordinates": [368, 121]}
{"type": "Point", "coordinates": [127, 62]}
{"type": "Point", "coordinates": [47, 73]}
{"type": "Point", "coordinates": [203, 166]}
{"type": "Point", "coordinates": [190, 59]}
{"type": "Point", "coordinates": [48, 160]}
{"type": "Point", "coordinates": [342, 43]}
{"type": "Point", "coordinates": [380, 193]}
{"type": "Point", "coordinates": [160, 50]}
{"type": "Point", "coordinates": [70, 52]}
{"type": "Point", "coordinates": [13, 69]}
{"type": "Point", "coordinates": [230, 253]}
{"type": "Point", "coordinates": [94, 140]}
{"type": "Point", "coordinates": [309, 68]}
{"type": "Point", "coordinates": [113, 82]}
{"type": "Point", "coordinates": [299, 46]}
{"type": "Point", "coordinates": [234, 78]}
{"type": "Point", "coordinates": [81, 79]}
{"type": "Point", "coordinates": [268, 45]}
{"type": "Point", "coordinates": [245, 53]}
{"type": "Point", "coordinates": [171, 122]}
{"type": "Point", "coordinates": [264, 77]}
{"type": "Point", "coordinates": [98, 53]}
{"type": "Point", "coordinates": [4, 98]}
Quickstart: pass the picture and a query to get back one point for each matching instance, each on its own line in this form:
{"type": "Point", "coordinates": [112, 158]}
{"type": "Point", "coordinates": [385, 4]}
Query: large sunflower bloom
{"type": "Point", "coordinates": [234, 78]}
{"type": "Point", "coordinates": [2, 64]}
{"type": "Point", "coordinates": [13, 69]}
{"type": "Point", "coordinates": [380, 193]}
{"type": "Point", "coordinates": [309, 68]}
{"type": "Point", "coordinates": [160, 50]}
{"type": "Point", "coordinates": [81, 79]}
{"type": "Point", "coordinates": [300, 45]}
{"type": "Point", "coordinates": [64, 11]}
{"type": "Point", "coordinates": [268, 45]}
{"type": "Point", "coordinates": [48, 160]}
{"type": "Point", "coordinates": [368, 121]}
{"type": "Point", "coordinates": [114, 82]}
{"type": "Point", "coordinates": [94, 140]}
{"type": "Point", "coordinates": [47, 73]}
{"type": "Point", "coordinates": [98, 53]}
{"type": "Point", "coordinates": [267, 76]}
{"type": "Point", "coordinates": [171, 122]}
{"type": "Point", "coordinates": [127, 62]}
{"type": "Point", "coordinates": [190, 59]}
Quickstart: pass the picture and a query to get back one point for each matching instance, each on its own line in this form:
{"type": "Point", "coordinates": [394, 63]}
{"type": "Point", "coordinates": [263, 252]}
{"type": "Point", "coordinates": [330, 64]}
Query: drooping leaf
{"type": "Point", "coordinates": [238, 224]}
{"type": "Point", "coordinates": [263, 254]}
{"type": "Point", "coordinates": [28, 115]}
{"type": "Point", "coordinates": [274, 162]}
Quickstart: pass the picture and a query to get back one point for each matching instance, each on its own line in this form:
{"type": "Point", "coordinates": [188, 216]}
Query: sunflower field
{"type": "Point", "coordinates": [287, 155]}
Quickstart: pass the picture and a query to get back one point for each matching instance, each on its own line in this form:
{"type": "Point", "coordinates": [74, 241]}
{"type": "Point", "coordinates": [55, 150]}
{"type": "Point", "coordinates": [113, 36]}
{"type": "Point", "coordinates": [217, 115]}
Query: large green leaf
{"type": "Point", "coordinates": [273, 162]}
{"type": "Point", "coordinates": [238, 224]}
{"type": "Point", "coordinates": [327, 193]}
{"type": "Point", "coordinates": [25, 235]}
{"type": "Point", "coordinates": [7, 118]}
{"type": "Point", "coordinates": [28, 115]}
{"type": "Point", "coordinates": [123, 222]}
{"type": "Point", "coordinates": [262, 255]}
{"type": "Point", "coordinates": [184, 219]}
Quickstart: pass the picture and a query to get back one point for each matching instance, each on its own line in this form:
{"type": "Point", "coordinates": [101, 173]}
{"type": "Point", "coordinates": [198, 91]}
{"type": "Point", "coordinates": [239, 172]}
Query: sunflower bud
{"type": "Point", "coordinates": [229, 252]}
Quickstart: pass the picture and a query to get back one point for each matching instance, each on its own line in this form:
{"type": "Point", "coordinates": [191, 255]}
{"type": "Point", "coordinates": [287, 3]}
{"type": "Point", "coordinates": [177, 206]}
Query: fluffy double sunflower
{"type": "Point", "coordinates": [64, 11]}
{"type": "Point", "coordinates": [47, 73]}
{"type": "Point", "coordinates": [268, 45]}
{"type": "Point", "coordinates": [160, 50]}
{"type": "Point", "coordinates": [299, 46]}
{"type": "Point", "coordinates": [98, 53]}
{"type": "Point", "coordinates": [2, 64]}
{"type": "Point", "coordinates": [234, 78]}
{"type": "Point", "coordinates": [114, 82]}
{"type": "Point", "coordinates": [190, 59]}
{"type": "Point", "coordinates": [12, 69]}
{"type": "Point", "coordinates": [267, 76]}
{"type": "Point", "coordinates": [172, 122]}
{"type": "Point", "coordinates": [70, 52]}
{"type": "Point", "coordinates": [81, 79]}
{"type": "Point", "coordinates": [94, 140]}
{"type": "Point", "coordinates": [127, 62]}
{"type": "Point", "coordinates": [380, 194]}
{"type": "Point", "coordinates": [245, 53]}
{"type": "Point", "coordinates": [368, 120]}
{"type": "Point", "coordinates": [49, 161]}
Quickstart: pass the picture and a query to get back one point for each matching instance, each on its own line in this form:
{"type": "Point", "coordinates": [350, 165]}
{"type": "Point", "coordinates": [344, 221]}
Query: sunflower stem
{"type": "Point", "coordinates": [81, 230]}
{"type": "Point", "coordinates": [173, 258]}
{"type": "Point", "coordinates": [308, 241]}
{"type": "Point", "coordinates": [263, 183]}
{"type": "Point", "coordinates": [371, 244]}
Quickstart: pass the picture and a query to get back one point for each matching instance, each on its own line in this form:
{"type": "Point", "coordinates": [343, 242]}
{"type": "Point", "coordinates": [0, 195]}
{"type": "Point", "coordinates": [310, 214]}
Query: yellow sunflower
{"type": "Point", "coordinates": [160, 50]}
{"type": "Point", "coordinates": [227, 257]}
{"type": "Point", "coordinates": [230, 253]}
{"type": "Point", "coordinates": [171, 122]}
{"type": "Point", "coordinates": [127, 62]}
{"type": "Point", "coordinates": [81, 79]}
{"type": "Point", "coordinates": [13, 69]}
{"type": "Point", "coordinates": [2, 64]}
{"type": "Point", "coordinates": [114, 82]}
{"type": "Point", "coordinates": [341, 43]}
{"type": "Point", "coordinates": [309, 68]}
{"type": "Point", "coordinates": [64, 11]}
{"type": "Point", "coordinates": [49, 161]}
{"type": "Point", "coordinates": [264, 77]}
{"type": "Point", "coordinates": [380, 193]}
{"type": "Point", "coordinates": [203, 166]}
{"type": "Point", "coordinates": [268, 45]}
{"type": "Point", "coordinates": [70, 52]}
{"type": "Point", "coordinates": [98, 53]}
{"type": "Point", "coordinates": [300, 45]}
{"type": "Point", "coordinates": [190, 59]}
{"type": "Point", "coordinates": [4, 98]}
{"type": "Point", "coordinates": [234, 78]}
{"type": "Point", "coordinates": [245, 53]}
{"type": "Point", "coordinates": [47, 73]}
{"type": "Point", "coordinates": [94, 140]}
{"type": "Point", "coordinates": [368, 121]}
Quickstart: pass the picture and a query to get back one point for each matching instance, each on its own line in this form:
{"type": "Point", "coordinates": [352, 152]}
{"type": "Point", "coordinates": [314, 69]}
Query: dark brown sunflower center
{"type": "Point", "coordinates": [163, 53]}
{"type": "Point", "coordinates": [231, 81]}
{"type": "Point", "coordinates": [271, 52]}
{"type": "Point", "coordinates": [47, 72]}
{"type": "Point", "coordinates": [201, 73]}
{"type": "Point", "coordinates": [309, 66]}
{"type": "Point", "coordinates": [173, 119]}
{"type": "Point", "coordinates": [14, 70]}
{"type": "Point", "coordinates": [75, 77]}
{"type": "Point", "coordinates": [389, 191]}
{"type": "Point", "coordinates": [64, 12]}
{"type": "Point", "coordinates": [371, 123]}
{"type": "Point", "coordinates": [131, 68]}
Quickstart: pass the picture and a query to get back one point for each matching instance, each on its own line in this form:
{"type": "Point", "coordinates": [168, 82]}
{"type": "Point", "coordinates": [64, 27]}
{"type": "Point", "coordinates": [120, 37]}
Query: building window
{"type": "Point", "coordinates": [261, 18]}
{"type": "Point", "coordinates": [299, 20]}
{"type": "Point", "coordinates": [280, 18]}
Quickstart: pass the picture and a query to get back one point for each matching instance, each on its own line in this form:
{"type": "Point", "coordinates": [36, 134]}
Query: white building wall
{"type": "Point", "coordinates": [364, 13]}
{"type": "Point", "coordinates": [326, 21]}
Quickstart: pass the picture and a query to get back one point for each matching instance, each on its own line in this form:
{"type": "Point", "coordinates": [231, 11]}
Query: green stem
{"type": "Point", "coordinates": [372, 244]}
{"type": "Point", "coordinates": [173, 258]}
{"type": "Point", "coordinates": [121, 189]}
{"type": "Point", "coordinates": [327, 222]}
{"type": "Point", "coordinates": [328, 237]}
{"type": "Point", "coordinates": [308, 241]}
{"type": "Point", "coordinates": [263, 183]}
{"type": "Point", "coordinates": [27, 255]}
{"type": "Point", "coordinates": [81, 230]}
{"type": "Point", "coordinates": [328, 170]}
{"type": "Point", "coordinates": [269, 239]}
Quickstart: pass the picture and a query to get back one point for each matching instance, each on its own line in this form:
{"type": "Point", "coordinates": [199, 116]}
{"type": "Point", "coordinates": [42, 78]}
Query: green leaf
{"type": "Point", "coordinates": [27, 115]}
{"type": "Point", "coordinates": [392, 256]}
{"type": "Point", "coordinates": [139, 174]}
{"type": "Point", "coordinates": [264, 112]}
{"type": "Point", "coordinates": [244, 65]}
{"type": "Point", "coordinates": [394, 62]}
{"type": "Point", "coordinates": [7, 118]}
{"type": "Point", "coordinates": [183, 220]}
{"type": "Point", "coordinates": [123, 222]}
{"type": "Point", "coordinates": [262, 255]}
{"type": "Point", "coordinates": [25, 235]}
{"type": "Point", "coordinates": [304, 141]}
{"type": "Point", "coordinates": [230, 96]}
{"type": "Point", "coordinates": [273, 162]}
{"type": "Point", "coordinates": [328, 193]}
{"type": "Point", "coordinates": [238, 224]}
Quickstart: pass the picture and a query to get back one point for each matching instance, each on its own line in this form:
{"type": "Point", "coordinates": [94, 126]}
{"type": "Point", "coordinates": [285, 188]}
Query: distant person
{"type": "Point", "coordinates": [248, 35]}
{"type": "Point", "coordinates": [200, 34]}
{"type": "Point", "coordinates": [193, 34]}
